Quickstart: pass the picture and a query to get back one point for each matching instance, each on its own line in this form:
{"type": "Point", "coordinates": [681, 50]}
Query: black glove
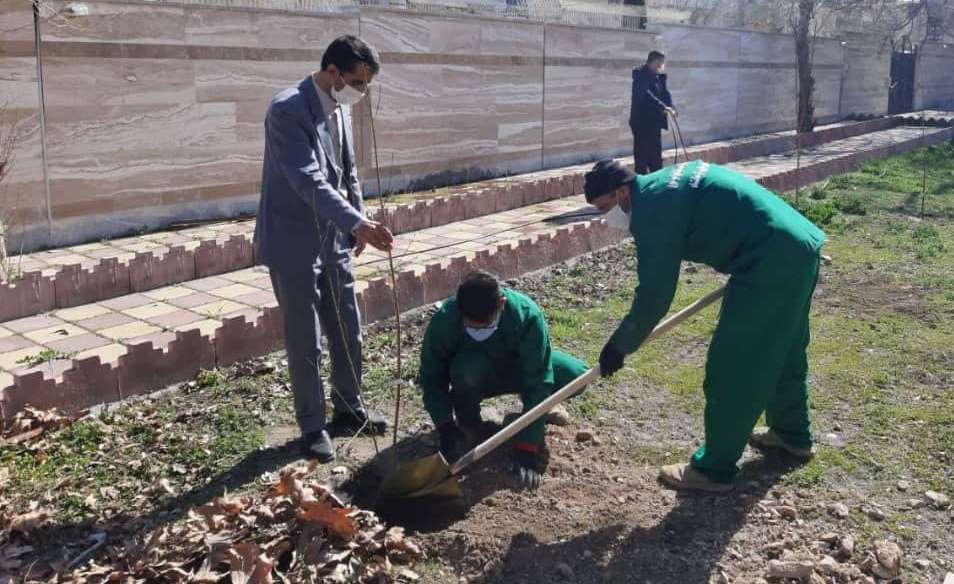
{"type": "Point", "coordinates": [452, 438]}
{"type": "Point", "coordinates": [526, 469]}
{"type": "Point", "coordinates": [611, 360]}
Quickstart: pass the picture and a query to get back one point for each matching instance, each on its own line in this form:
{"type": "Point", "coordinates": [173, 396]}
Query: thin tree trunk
{"type": "Point", "coordinates": [806, 81]}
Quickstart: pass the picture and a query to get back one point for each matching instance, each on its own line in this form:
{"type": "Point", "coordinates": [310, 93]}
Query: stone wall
{"type": "Point", "coordinates": [154, 111]}
{"type": "Point", "coordinates": [22, 196]}
{"type": "Point", "coordinates": [729, 83]}
{"type": "Point", "coordinates": [934, 84]}
{"type": "Point", "coordinates": [867, 76]}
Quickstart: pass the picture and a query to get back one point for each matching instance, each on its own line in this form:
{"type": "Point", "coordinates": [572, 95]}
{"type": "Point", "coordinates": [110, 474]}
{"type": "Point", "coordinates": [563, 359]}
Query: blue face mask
{"type": "Point", "coordinates": [482, 334]}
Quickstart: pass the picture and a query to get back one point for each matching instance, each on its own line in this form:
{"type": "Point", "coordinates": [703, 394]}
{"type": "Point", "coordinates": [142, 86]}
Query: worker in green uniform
{"type": "Point", "coordinates": [489, 341]}
{"type": "Point", "coordinates": [757, 363]}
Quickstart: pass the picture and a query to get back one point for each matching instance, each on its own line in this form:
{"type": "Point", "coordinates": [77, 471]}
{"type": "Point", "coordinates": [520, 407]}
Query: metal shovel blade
{"type": "Point", "coordinates": [429, 476]}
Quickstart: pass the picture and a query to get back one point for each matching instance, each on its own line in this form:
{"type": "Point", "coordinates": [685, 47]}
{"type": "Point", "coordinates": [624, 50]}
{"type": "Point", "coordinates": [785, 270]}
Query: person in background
{"type": "Point", "coordinates": [484, 342]}
{"type": "Point", "coordinates": [757, 359]}
{"type": "Point", "coordinates": [650, 106]}
{"type": "Point", "coordinates": [311, 216]}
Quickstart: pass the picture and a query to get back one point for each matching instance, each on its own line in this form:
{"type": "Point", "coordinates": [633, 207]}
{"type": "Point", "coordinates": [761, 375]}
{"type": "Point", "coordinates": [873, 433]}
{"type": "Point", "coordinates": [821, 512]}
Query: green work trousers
{"type": "Point", "coordinates": [474, 377]}
{"type": "Point", "coordinates": [758, 360]}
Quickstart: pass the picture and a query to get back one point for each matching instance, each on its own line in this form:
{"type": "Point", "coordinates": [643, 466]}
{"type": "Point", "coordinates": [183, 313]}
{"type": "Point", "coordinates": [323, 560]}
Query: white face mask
{"type": "Point", "coordinates": [482, 334]}
{"type": "Point", "coordinates": [347, 95]}
{"type": "Point", "coordinates": [617, 218]}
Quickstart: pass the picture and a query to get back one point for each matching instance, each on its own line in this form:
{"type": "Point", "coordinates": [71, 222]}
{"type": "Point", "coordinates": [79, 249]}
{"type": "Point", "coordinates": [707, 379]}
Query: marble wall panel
{"type": "Point", "coordinates": [766, 99]}
{"type": "Point", "coordinates": [276, 30]}
{"type": "Point", "coordinates": [583, 119]}
{"type": "Point", "coordinates": [707, 100]}
{"type": "Point", "coordinates": [239, 81]}
{"type": "Point", "coordinates": [396, 33]}
{"type": "Point", "coordinates": [512, 38]}
{"type": "Point", "coordinates": [828, 52]}
{"type": "Point", "coordinates": [828, 93]}
{"type": "Point", "coordinates": [135, 155]}
{"type": "Point", "coordinates": [757, 47]}
{"type": "Point", "coordinates": [688, 43]}
{"type": "Point", "coordinates": [934, 84]}
{"type": "Point", "coordinates": [568, 41]}
{"type": "Point", "coordinates": [22, 196]}
{"type": "Point", "coordinates": [115, 22]}
{"type": "Point", "coordinates": [81, 82]}
{"type": "Point", "coordinates": [230, 28]}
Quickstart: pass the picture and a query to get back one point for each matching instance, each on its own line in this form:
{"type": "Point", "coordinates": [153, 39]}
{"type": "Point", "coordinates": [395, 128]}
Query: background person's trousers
{"type": "Point", "coordinates": [647, 150]}
{"type": "Point", "coordinates": [758, 362]}
{"type": "Point", "coordinates": [313, 302]}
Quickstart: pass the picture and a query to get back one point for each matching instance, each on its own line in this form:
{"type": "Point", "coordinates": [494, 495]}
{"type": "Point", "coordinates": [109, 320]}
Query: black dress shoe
{"type": "Point", "coordinates": [350, 423]}
{"type": "Point", "coordinates": [318, 445]}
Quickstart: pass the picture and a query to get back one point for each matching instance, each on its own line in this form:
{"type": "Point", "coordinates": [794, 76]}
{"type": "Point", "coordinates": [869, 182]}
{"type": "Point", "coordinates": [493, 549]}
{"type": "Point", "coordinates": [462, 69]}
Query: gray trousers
{"type": "Point", "coordinates": [313, 302]}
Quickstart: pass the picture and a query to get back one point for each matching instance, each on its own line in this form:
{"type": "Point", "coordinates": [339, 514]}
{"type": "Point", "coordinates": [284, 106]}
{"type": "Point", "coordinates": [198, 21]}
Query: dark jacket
{"type": "Point", "coordinates": [302, 217]}
{"type": "Point", "coordinates": [650, 98]}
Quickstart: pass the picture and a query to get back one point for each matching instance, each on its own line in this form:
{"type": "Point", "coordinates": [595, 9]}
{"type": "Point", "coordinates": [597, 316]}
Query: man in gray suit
{"type": "Point", "coordinates": [310, 217]}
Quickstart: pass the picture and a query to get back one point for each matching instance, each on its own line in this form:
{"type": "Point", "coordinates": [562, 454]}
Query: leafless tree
{"type": "Point", "coordinates": [894, 23]}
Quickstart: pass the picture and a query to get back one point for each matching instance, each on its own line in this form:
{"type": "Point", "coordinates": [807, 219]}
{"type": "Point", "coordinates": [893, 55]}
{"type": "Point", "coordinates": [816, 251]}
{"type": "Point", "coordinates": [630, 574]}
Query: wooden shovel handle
{"type": "Point", "coordinates": [571, 388]}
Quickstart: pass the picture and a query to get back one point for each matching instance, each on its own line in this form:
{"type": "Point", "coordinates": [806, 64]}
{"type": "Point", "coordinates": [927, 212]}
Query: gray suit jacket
{"type": "Point", "coordinates": [303, 221]}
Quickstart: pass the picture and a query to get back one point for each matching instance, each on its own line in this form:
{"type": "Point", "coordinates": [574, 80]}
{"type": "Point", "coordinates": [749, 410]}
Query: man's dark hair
{"type": "Point", "coordinates": [655, 56]}
{"type": "Point", "coordinates": [478, 296]}
{"type": "Point", "coordinates": [346, 52]}
{"type": "Point", "coordinates": [605, 177]}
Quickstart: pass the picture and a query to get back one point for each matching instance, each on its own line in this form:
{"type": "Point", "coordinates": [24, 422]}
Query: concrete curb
{"type": "Point", "coordinates": [73, 285]}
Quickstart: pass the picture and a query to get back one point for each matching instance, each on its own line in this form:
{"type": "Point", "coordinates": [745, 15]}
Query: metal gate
{"type": "Point", "coordinates": [901, 92]}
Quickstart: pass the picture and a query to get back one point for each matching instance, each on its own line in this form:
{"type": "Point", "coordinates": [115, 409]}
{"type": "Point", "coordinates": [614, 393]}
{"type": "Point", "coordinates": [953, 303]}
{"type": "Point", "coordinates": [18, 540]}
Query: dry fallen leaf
{"type": "Point", "coordinates": [340, 575]}
{"type": "Point", "coordinates": [166, 486]}
{"type": "Point", "coordinates": [27, 523]}
{"type": "Point", "coordinates": [402, 548]}
{"type": "Point", "coordinates": [336, 521]}
{"type": "Point", "coordinates": [109, 492]}
{"type": "Point", "coordinates": [249, 565]}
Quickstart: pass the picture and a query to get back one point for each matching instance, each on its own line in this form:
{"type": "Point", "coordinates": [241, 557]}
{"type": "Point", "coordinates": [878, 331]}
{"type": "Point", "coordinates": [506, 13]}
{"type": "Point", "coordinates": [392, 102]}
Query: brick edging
{"type": "Point", "coordinates": [143, 368]}
{"type": "Point", "coordinates": [34, 293]}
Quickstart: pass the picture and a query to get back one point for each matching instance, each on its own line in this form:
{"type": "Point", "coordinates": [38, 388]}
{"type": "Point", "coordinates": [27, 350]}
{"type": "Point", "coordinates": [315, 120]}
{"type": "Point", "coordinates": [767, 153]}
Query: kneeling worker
{"type": "Point", "coordinates": [489, 341]}
{"type": "Point", "coordinates": [757, 361]}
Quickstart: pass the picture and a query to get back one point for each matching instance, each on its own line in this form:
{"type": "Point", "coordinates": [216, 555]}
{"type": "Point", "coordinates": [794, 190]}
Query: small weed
{"type": "Point", "coordinates": [851, 205]}
{"type": "Point", "coordinates": [208, 377]}
{"type": "Point", "coordinates": [927, 241]}
{"type": "Point", "coordinates": [44, 356]}
{"type": "Point", "coordinates": [810, 475]}
{"type": "Point", "coordinates": [822, 214]}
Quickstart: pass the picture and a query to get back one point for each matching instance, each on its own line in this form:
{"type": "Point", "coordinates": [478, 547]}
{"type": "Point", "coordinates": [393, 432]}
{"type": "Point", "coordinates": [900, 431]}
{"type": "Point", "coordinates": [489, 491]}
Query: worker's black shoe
{"type": "Point", "coordinates": [318, 445]}
{"type": "Point", "coordinates": [352, 422]}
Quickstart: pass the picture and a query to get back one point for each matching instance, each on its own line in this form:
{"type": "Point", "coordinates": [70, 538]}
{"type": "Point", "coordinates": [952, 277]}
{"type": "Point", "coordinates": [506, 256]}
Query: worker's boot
{"type": "Point", "coordinates": [352, 422]}
{"type": "Point", "coordinates": [318, 445]}
{"type": "Point", "coordinates": [684, 477]}
{"type": "Point", "coordinates": [765, 438]}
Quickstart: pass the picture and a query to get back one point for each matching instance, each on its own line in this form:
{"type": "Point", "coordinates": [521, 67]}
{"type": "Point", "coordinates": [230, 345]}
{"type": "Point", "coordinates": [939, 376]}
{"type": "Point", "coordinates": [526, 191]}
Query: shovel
{"type": "Point", "coordinates": [433, 477]}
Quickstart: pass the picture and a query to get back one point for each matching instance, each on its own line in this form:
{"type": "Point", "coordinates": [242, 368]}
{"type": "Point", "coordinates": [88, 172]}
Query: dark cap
{"type": "Point", "coordinates": [605, 177]}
